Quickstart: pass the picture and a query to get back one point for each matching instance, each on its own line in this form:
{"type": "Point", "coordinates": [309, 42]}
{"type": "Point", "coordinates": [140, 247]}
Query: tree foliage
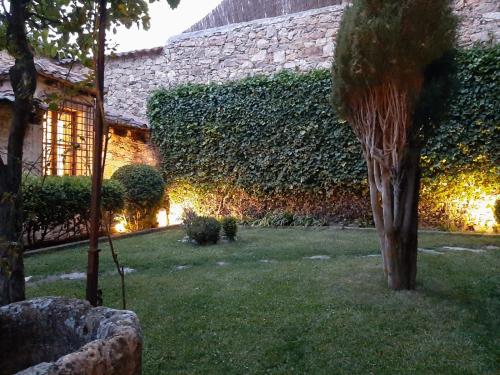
{"type": "Point", "coordinates": [389, 40]}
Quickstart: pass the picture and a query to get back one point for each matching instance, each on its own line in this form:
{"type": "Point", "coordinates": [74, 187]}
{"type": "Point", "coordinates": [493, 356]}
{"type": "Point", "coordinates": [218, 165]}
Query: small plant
{"type": "Point", "coordinates": [308, 221]}
{"type": "Point", "coordinates": [188, 215]}
{"type": "Point", "coordinates": [230, 227]}
{"type": "Point", "coordinates": [204, 230]}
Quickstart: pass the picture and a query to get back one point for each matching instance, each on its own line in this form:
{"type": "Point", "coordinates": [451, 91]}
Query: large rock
{"type": "Point", "coordinates": [57, 336]}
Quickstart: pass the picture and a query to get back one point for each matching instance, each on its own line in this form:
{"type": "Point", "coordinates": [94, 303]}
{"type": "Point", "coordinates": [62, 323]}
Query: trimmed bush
{"type": "Point", "coordinates": [144, 191]}
{"type": "Point", "coordinates": [204, 230]}
{"type": "Point", "coordinates": [230, 227]}
{"type": "Point", "coordinates": [58, 208]}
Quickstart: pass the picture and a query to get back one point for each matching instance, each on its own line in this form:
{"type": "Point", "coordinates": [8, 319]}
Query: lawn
{"type": "Point", "coordinates": [268, 310]}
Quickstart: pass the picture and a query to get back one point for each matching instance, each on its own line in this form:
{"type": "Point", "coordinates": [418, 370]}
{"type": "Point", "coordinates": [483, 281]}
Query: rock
{"type": "Point", "coordinates": [492, 16]}
{"type": "Point", "coordinates": [222, 264]}
{"type": "Point", "coordinates": [59, 336]}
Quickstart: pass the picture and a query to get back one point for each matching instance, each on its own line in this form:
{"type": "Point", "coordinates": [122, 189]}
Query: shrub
{"type": "Point", "coordinates": [308, 221]}
{"type": "Point", "coordinates": [58, 208]}
{"type": "Point", "coordinates": [230, 227]}
{"type": "Point", "coordinates": [144, 190]}
{"type": "Point", "coordinates": [188, 216]}
{"type": "Point", "coordinates": [204, 230]}
{"type": "Point", "coordinates": [275, 219]}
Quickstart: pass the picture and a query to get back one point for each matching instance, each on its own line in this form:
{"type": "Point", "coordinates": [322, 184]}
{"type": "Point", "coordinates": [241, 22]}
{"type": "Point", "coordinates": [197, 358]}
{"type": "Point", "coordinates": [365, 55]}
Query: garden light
{"type": "Point", "coordinates": [161, 218]}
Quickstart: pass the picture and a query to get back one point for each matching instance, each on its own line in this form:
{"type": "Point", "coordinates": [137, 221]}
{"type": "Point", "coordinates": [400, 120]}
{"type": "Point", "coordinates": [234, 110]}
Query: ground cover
{"type": "Point", "coordinates": [290, 301]}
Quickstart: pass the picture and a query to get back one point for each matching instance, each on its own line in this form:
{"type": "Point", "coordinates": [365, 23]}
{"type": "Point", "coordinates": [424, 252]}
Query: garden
{"type": "Point", "coordinates": [297, 300]}
{"type": "Point", "coordinates": [339, 221]}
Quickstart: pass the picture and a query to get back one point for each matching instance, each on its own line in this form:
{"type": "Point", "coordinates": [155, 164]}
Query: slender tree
{"type": "Point", "coordinates": [391, 76]}
{"type": "Point", "coordinates": [100, 129]}
{"type": "Point", "coordinates": [55, 27]}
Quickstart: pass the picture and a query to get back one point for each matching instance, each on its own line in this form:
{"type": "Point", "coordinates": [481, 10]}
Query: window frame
{"type": "Point", "coordinates": [78, 146]}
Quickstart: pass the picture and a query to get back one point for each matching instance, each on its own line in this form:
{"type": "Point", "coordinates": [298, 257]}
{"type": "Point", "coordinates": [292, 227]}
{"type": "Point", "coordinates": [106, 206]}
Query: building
{"type": "Point", "coordinates": [59, 139]}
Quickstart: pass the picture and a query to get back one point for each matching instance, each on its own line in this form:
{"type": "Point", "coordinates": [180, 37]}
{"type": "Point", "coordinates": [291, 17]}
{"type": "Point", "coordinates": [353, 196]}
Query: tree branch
{"type": "Point", "coordinates": [6, 14]}
{"type": "Point", "coordinates": [45, 18]}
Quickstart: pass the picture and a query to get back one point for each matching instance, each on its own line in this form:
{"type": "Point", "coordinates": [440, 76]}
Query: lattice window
{"type": "Point", "coordinates": [68, 139]}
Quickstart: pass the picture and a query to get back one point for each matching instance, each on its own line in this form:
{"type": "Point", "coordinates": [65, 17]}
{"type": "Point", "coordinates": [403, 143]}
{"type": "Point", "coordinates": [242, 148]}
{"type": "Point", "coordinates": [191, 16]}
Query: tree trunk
{"type": "Point", "coordinates": [92, 290]}
{"type": "Point", "coordinates": [382, 121]}
{"type": "Point", "coordinates": [395, 212]}
{"type": "Point", "coordinates": [23, 80]}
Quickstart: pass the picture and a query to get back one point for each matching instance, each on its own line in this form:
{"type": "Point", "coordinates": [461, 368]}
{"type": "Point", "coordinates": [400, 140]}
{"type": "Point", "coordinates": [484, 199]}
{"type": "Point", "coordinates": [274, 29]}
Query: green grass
{"type": "Point", "coordinates": [297, 316]}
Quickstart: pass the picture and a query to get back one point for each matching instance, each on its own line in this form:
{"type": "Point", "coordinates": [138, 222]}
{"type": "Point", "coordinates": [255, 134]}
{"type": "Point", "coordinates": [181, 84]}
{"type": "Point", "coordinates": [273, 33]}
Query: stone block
{"type": "Point", "coordinates": [59, 336]}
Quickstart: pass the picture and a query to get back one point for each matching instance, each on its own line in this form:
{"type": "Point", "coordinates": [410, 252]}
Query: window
{"type": "Point", "coordinates": [67, 140]}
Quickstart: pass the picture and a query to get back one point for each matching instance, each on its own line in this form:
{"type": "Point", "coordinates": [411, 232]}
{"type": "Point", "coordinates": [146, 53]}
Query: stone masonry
{"type": "Point", "coordinates": [300, 41]}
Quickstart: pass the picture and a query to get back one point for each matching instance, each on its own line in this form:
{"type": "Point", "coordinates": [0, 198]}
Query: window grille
{"type": "Point", "coordinates": [68, 140]}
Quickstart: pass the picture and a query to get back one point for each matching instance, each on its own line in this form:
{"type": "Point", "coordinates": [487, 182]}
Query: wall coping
{"type": "Point", "coordinates": [261, 22]}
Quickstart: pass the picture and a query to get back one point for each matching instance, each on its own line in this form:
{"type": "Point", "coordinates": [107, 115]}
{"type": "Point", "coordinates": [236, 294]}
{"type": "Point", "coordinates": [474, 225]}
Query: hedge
{"type": "Point", "coordinates": [278, 136]}
{"type": "Point", "coordinates": [58, 208]}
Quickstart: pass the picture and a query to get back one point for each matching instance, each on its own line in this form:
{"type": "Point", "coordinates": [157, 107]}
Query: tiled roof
{"type": "Point", "coordinates": [45, 67]}
{"type": "Point", "coordinates": [8, 95]}
{"type": "Point", "coordinates": [61, 72]}
{"type": "Point", "coordinates": [121, 119]}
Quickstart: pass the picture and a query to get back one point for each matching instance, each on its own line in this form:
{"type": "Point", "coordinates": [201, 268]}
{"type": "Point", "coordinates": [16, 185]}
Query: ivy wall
{"type": "Point", "coordinates": [266, 143]}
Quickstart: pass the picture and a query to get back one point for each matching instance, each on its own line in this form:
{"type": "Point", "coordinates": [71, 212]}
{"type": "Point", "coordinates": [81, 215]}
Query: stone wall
{"type": "Point", "coordinates": [299, 41]}
{"type": "Point", "coordinates": [32, 147]}
{"type": "Point", "coordinates": [128, 146]}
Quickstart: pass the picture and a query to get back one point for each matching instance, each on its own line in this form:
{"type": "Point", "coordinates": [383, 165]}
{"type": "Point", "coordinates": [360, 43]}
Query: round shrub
{"type": "Point", "coordinates": [230, 227]}
{"type": "Point", "coordinates": [113, 196]}
{"type": "Point", "coordinates": [144, 189]}
{"type": "Point", "coordinates": [204, 230]}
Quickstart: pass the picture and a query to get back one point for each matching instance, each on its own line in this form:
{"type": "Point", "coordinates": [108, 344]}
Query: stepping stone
{"type": "Point", "coordinates": [222, 264]}
{"type": "Point", "coordinates": [27, 279]}
{"type": "Point", "coordinates": [72, 276]}
{"type": "Point", "coordinates": [371, 256]}
{"type": "Point", "coordinates": [127, 270]}
{"type": "Point", "coordinates": [267, 261]}
{"type": "Point", "coordinates": [453, 248]}
{"type": "Point", "coordinates": [318, 257]}
{"type": "Point", "coordinates": [491, 247]}
{"type": "Point", "coordinates": [430, 251]}
{"type": "Point", "coordinates": [183, 267]}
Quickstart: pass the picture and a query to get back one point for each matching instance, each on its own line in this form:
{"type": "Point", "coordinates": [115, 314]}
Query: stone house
{"type": "Point", "coordinates": [59, 139]}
